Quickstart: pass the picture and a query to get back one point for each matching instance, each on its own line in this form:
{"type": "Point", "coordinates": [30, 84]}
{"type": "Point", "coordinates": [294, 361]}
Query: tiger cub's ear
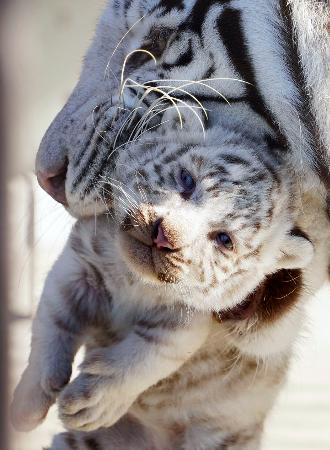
{"type": "Point", "coordinates": [297, 250]}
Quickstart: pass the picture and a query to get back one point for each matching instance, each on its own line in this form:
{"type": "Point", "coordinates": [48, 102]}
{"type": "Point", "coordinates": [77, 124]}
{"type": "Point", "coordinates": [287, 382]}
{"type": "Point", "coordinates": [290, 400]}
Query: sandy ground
{"type": "Point", "coordinates": [301, 418]}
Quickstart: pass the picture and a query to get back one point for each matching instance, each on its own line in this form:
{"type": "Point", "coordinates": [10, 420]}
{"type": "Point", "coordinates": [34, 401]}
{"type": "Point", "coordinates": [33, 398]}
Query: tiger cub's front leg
{"type": "Point", "coordinates": [65, 308]}
{"type": "Point", "coordinates": [112, 378]}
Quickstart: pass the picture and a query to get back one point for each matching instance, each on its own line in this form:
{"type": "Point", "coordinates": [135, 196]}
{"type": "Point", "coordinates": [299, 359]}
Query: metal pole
{"type": "Point", "coordinates": [4, 434]}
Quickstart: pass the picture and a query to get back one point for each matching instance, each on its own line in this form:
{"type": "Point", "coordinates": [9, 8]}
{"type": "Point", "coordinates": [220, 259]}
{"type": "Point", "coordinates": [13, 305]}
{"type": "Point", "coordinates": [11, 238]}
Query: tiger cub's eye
{"type": "Point", "coordinates": [224, 241]}
{"type": "Point", "coordinates": [187, 182]}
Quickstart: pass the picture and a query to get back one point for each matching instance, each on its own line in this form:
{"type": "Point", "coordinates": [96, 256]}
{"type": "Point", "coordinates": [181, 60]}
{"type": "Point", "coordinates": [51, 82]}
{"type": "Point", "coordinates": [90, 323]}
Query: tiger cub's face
{"type": "Point", "coordinates": [204, 223]}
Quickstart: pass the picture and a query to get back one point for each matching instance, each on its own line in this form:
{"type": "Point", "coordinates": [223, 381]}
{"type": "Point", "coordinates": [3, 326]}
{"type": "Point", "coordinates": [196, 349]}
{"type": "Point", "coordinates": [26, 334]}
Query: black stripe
{"type": "Point", "coordinates": [210, 71]}
{"type": "Point", "coordinates": [148, 338]}
{"type": "Point", "coordinates": [200, 11]}
{"type": "Point", "coordinates": [137, 60]}
{"type": "Point", "coordinates": [165, 322]}
{"type": "Point", "coordinates": [234, 159]}
{"type": "Point", "coordinates": [169, 5]}
{"type": "Point", "coordinates": [272, 169]}
{"type": "Point", "coordinates": [209, 98]}
{"type": "Point", "coordinates": [84, 169]}
{"type": "Point", "coordinates": [300, 233]}
{"type": "Point", "coordinates": [99, 139]}
{"type": "Point", "coordinates": [253, 179]}
{"type": "Point", "coordinates": [173, 156]}
{"type": "Point", "coordinates": [158, 170]}
{"type": "Point", "coordinates": [231, 32]}
{"type": "Point", "coordinates": [87, 166]}
{"type": "Point", "coordinates": [92, 444]}
{"type": "Point", "coordinates": [100, 113]}
{"type": "Point", "coordinates": [127, 5]}
{"type": "Point", "coordinates": [82, 152]}
{"type": "Point", "coordinates": [71, 441]}
{"type": "Point", "coordinates": [274, 143]}
{"type": "Point", "coordinates": [64, 325]}
{"type": "Point", "coordinates": [104, 164]}
{"type": "Point", "coordinates": [184, 59]}
{"type": "Point", "coordinates": [214, 188]}
{"type": "Point", "coordinates": [219, 170]}
{"type": "Point", "coordinates": [320, 162]}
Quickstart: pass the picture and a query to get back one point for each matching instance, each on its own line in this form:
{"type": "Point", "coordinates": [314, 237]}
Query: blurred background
{"type": "Point", "coordinates": [43, 42]}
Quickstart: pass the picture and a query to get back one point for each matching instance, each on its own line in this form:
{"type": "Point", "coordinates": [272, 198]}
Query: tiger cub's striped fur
{"type": "Point", "coordinates": [189, 297]}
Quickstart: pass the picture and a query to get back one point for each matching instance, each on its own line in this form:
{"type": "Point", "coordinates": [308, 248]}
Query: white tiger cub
{"type": "Point", "coordinates": [196, 229]}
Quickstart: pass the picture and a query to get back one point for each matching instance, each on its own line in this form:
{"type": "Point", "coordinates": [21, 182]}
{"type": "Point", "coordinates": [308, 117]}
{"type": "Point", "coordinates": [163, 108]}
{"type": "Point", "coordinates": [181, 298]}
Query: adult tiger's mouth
{"type": "Point", "coordinates": [146, 260]}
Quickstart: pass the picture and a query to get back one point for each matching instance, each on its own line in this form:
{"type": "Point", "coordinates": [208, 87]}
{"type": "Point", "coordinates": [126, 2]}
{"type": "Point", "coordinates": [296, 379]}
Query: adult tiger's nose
{"type": "Point", "coordinates": [160, 236]}
{"type": "Point", "coordinates": [54, 183]}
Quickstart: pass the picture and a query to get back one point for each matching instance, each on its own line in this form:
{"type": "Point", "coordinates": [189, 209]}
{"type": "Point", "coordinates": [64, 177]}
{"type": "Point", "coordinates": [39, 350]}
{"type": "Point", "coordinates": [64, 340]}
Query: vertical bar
{"type": "Point", "coordinates": [4, 439]}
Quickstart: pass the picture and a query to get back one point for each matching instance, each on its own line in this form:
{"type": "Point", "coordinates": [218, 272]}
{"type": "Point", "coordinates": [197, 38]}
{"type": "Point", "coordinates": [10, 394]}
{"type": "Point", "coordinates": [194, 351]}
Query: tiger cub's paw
{"type": "Point", "coordinates": [30, 403]}
{"type": "Point", "coordinates": [91, 401]}
{"type": "Point", "coordinates": [35, 394]}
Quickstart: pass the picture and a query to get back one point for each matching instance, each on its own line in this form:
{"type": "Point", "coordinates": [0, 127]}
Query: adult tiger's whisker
{"type": "Point", "coordinates": [129, 198]}
{"type": "Point", "coordinates": [107, 178]}
{"type": "Point", "coordinates": [176, 80]}
{"type": "Point", "coordinates": [161, 90]}
{"type": "Point", "coordinates": [120, 42]}
{"type": "Point", "coordinates": [140, 50]}
{"type": "Point", "coordinates": [121, 129]}
{"type": "Point", "coordinates": [164, 94]}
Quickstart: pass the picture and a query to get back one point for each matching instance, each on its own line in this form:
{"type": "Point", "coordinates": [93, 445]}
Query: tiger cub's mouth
{"type": "Point", "coordinates": [144, 258]}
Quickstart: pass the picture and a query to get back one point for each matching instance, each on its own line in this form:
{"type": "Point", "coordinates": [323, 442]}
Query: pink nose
{"type": "Point", "coordinates": [54, 184]}
{"type": "Point", "coordinates": [160, 239]}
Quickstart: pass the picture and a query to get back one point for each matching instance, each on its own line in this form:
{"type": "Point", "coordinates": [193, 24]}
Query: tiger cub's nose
{"type": "Point", "coordinates": [160, 236]}
{"type": "Point", "coordinates": [54, 183]}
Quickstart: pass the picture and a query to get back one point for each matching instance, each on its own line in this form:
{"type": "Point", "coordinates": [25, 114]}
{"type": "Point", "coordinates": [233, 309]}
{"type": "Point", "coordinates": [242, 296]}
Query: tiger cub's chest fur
{"type": "Point", "coordinates": [214, 387]}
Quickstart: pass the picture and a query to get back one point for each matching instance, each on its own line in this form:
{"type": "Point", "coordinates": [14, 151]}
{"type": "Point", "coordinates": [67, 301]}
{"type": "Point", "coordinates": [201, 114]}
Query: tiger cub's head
{"type": "Point", "coordinates": [205, 223]}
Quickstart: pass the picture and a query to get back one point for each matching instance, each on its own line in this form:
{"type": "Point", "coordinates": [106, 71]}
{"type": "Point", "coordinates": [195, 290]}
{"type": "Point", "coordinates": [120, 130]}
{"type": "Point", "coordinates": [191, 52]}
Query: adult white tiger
{"type": "Point", "coordinates": [285, 89]}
